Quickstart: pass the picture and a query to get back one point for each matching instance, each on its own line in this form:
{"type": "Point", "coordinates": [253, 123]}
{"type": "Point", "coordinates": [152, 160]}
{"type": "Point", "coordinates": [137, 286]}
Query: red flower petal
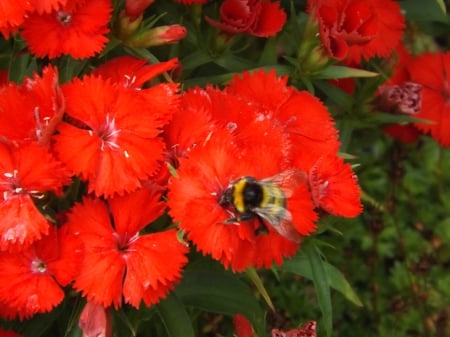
{"type": "Point", "coordinates": [270, 20]}
{"type": "Point", "coordinates": [154, 263]}
{"type": "Point", "coordinates": [102, 268]}
{"type": "Point", "coordinates": [12, 15]}
{"type": "Point", "coordinates": [431, 71]}
{"type": "Point", "coordinates": [266, 91]}
{"type": "Point", "coordinates": [334, 187]}
{"type": "Point", "coordinates": [95, 320]}
{"type": "Point", "coordinates": [236, 16]}
{"type": "Point", "coordinates": [27, 280]}
{"type": "Point", "coordinates": [25, 171]}
{"type": "Point", "coordinates": [404, 133]}
{"type": "Point", "coordinates": [310, 128]}
{"type": "Point", "coordinates": [190, 125]}
{"type": "Point", "coordinates": [78, 29]}
{"type": "Point", "coordinates": [358, 29]}
{"type": "Point", "coordinates": [118, 144]}
{"type": "Point", "coordinates": [242, 326]}
{"type": "Point", "coordinates": [128, 222]}
{"type": "Point", "coordinates": [118, 261]}
{"type": "Point", "coordinates": [133, 72]}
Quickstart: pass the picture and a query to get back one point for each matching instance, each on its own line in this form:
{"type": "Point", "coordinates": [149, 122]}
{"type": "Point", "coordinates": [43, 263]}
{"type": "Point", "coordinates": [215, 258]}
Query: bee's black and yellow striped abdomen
{"type": "Point", "coordinates": [248, 194]}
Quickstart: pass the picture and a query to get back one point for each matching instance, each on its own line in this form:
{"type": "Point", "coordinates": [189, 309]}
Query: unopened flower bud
{"type": "Point", "coordinates": [157, 36]}
{"type": "Point", "coordinates": [405, 98]}
{"type": "Point", "coordinates": [126, 25]}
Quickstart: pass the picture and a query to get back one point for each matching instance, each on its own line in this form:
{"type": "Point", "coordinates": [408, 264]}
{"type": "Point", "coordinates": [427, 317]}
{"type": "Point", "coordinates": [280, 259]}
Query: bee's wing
{"type": "Point", "coordinates": [280, 219]}
{"type": "Point", "coordinates": [287, 181]}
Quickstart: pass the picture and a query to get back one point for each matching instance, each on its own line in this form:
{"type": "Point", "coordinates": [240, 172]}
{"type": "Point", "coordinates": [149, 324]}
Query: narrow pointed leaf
{"type": "Point", "coordinates": [300, 265]}
{"type": "Point", "coordinates": [253, 275]}
{"type": "Point", "coordinates": [321, 284]}
{"type": "Point", "coordinates": [221, 292]}
{"type": "Point", "coordinates": [175, 317]}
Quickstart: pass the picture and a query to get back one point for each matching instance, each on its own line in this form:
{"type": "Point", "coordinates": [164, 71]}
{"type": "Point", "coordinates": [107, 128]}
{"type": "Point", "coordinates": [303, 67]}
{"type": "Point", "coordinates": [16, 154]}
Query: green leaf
{"type": "Point", "coordinates": [300, 265]}
{"type": "Point", "coordinates": [335, 94]}
{"type": "Point", "coordinates": [321, 284]}
{"type": "Point", "coordinates": [424, 10]}
{"type": "Point", "coordinates": [175, 317]}
{"type": "Point", "coordinates": [254, 277]}
{"type": "Point", "coordinates": [70, 68]}
{"type": "Point", "coordinates": [221, 292]}
{"type": "Point", "coordinates": [336, 72]}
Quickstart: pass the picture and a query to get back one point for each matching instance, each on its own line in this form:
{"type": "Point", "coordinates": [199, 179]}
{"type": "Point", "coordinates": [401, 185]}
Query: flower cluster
{"type": "Point", "coordinates": [108, 172]}
{"type": "Point", "coordinates": [110, 138]}
{"type": "Point", "coordinates": [257, 126]}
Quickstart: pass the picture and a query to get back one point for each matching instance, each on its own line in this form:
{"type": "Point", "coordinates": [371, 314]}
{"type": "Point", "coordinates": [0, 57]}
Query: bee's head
{"type": "Point", "coordinates": [226, 198]}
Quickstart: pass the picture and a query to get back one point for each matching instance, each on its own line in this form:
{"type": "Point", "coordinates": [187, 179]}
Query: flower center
{"type": "Point", "coordinates": [38, 266]}
{"type": "Point", "coordinates": [64, 17]}
{"type": "Point", "coordinates": [109, 134]}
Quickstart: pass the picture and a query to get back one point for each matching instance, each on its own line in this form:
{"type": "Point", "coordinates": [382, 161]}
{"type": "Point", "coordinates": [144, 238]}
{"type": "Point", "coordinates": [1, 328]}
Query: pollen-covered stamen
{"type": "Point", "coordinates": [64, 17]}
{"type": "Point", "coordinates": [10, 185]}
{"type": "Point", "coordinates": [129, 81]}
{"type": "Point", "coordinates": [109, 134]}
{"type": "Point", "coordinates": [38, 266]}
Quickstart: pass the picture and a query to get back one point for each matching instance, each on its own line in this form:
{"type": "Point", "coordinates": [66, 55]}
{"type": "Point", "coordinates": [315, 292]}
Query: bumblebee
{"type": "Point", "coordinates": [264, 200]}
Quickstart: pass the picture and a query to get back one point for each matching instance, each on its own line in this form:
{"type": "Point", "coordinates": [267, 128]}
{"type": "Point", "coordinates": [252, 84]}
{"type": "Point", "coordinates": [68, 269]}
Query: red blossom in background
{"type": "Point", "coordinates": [399, 95]}
{"type": "Point", "coordinates": [118, 261]}
{"type": "Point", "coordinates": [77, 29]}
{"type": "Point", "coordinates": [6, 333]}
{"type": "Point", "coordinates": [190, 2]}
{"type": "Point", "coordinates": [31, 280]}
{"type": "Point", "coordinates": [252, 17]}
{"type": "Point", "coordinates": [432, 72]}
{"type": "Point", "coordinates": [135, 8]}
{"type": "Point", "coordinates": [353, 30]}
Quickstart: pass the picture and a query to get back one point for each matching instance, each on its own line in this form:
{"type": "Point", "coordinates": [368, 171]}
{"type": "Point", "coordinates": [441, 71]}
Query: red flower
{"type": "Point", "coordinates": [242, 326]}
{"type": "Point", "coordinates": [118, 261]}
{"type": "Point", "coordinates": [252, 17]}
{"type": "Point", "coordinates": [32, 110]}
{"type": "Point", "coordinates": [95, 320]}
{"type": "Point", "coordinates": [4, 333]}
{"type": "Point", "coordinates": [26, 172]}
{"type": "Point", "coordinates": [77, 29]}
{"type": "Point", "coordinates": [133, 73]}
{"type": "Point", "coordinates": [31, 280]}
{"type": "Point", "coordinates": [190, 2]}
{"type": "Point", "coordinates": [194, 201]}
{"type": "Point", "coordinates": [256, 127]}
{"type": "Point", "coordinates": [302, 117]}
{"type": "Point", "coordinates": [353, 30]}
{"type": "Point", "coordinates": [134, 8]}
{"type": "Point", "coordinates": [334, 187]}
{"type": "Point", "coordinates": [399, 95]}
{"type": "Point", "coordinates": [432, 72]}
{"type": "Point", "coordinates": [12, 15]}
{"type": "Point", "coordinates": [112, 140]}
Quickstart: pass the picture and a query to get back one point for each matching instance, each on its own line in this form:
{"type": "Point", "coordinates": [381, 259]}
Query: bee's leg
{"type": "Point", "coordinates": [262, 229]}
{"type": "Point", "coordinates": [240, 217]}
